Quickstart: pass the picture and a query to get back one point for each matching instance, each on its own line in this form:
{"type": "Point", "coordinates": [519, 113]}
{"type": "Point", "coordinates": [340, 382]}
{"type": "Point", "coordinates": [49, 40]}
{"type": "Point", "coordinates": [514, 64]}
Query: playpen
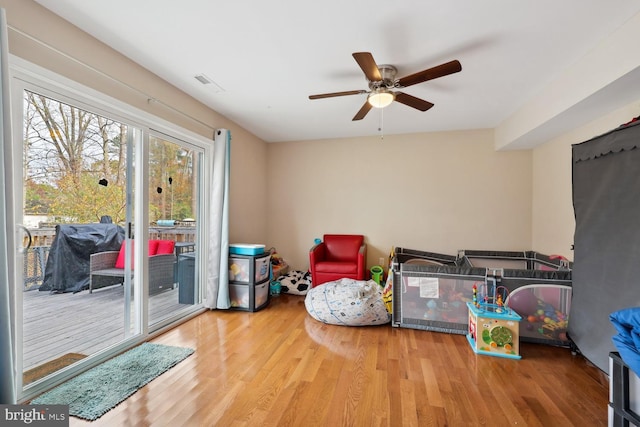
{"type": "Point", "coordinates": [430, 290]}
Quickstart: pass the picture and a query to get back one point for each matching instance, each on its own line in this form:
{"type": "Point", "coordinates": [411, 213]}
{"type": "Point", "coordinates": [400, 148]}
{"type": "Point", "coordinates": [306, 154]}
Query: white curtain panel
{"type": "Point", "coordinates": [7, 365]}
{"type": "Point", "coordinates": [217, 285]}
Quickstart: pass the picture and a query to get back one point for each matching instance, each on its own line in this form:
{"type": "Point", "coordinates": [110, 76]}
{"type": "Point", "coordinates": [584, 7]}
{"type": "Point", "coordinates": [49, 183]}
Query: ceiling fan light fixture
{"type": "Point", "coordinates": [380, 98]}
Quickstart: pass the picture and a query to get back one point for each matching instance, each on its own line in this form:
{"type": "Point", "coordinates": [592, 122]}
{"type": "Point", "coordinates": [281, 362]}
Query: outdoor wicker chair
{"type": "Point", "coordinates": [104, 273]}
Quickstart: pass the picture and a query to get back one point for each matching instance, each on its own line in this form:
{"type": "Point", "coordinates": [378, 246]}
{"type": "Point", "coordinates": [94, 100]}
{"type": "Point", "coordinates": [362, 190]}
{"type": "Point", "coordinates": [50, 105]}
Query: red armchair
{"type": "Point", "coordinates": [336, 257]}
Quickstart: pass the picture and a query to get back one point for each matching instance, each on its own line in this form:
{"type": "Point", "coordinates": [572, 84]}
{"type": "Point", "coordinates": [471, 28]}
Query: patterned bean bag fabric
{"type": "Point", "coordinates": [295, 282]}
{"type": "Point", "coordinates": [347, 302]}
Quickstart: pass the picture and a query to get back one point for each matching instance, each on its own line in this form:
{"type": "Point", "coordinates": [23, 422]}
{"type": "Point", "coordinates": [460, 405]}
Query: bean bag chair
{"type": "Point", "coordinates": [347, 302]}
{"type": "Point", "coordinates": [295, 282]}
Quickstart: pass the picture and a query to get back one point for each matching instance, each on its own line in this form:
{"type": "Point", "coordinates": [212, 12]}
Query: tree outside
{"type": "Point", "coordinates": [75, 166]}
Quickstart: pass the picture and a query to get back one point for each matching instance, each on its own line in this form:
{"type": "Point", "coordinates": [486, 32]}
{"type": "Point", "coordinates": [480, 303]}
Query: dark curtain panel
{"type": "Point", "coordinates": [606, 270]}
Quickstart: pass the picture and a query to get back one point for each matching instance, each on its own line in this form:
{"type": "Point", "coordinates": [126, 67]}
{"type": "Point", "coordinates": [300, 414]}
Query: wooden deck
{"type": "Point", "coordinates": [57, 324]}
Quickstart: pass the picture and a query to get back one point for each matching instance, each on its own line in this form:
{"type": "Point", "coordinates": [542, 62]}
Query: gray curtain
{"type": "Point", "coordinates": [217, 284]}
{"type": "Point", "coordinates": [7, 326]}
{"type": "Point", "coordinates": [606, 271]}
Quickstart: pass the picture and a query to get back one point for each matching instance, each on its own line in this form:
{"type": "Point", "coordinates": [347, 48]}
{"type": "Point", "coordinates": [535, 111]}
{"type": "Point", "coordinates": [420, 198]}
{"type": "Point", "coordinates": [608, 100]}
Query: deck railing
{"type": "Point", "coordinates": [33, 265]}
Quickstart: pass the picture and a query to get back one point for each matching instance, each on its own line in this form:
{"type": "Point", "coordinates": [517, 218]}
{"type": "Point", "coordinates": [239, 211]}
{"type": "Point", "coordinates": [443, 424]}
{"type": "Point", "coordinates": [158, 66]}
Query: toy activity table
{"type": "Point", "coordinates": [494, 330]}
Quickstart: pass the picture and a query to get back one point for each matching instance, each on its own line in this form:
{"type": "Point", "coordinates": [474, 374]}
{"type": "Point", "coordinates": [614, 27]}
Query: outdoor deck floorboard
{"type": "Point", "coordinates": [57, 324]}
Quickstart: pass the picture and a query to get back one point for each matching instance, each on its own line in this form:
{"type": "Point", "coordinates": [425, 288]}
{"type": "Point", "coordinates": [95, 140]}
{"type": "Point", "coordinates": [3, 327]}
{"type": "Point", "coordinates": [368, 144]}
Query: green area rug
{"type": "Point", "coordinates": [93, 393]}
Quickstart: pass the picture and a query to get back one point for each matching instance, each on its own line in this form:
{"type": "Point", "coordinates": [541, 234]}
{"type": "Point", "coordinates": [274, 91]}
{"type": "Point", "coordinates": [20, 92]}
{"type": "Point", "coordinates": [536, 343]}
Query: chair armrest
{"type": "Point", "coordinates": [317, 253]}
{"type": "Point", "coordinates": [161, 266]}
{"type": "Point", "coordinates": [161, 259]}
{"type": "Point", "coordinates": [362, 260]}
{"type": "Point", "coordinates": [161, 272]}
{"type": "Point", "coordinates": [102, 260]}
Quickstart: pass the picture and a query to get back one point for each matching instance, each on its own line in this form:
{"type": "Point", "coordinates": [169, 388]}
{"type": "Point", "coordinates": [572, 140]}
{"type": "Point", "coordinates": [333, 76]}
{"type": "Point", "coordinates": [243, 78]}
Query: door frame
{"type": "Point", "coordinates": [25, 75]}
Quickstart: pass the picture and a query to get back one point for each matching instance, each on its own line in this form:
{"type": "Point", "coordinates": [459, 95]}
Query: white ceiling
{"type": "Point", "coordinates": [269, 56]}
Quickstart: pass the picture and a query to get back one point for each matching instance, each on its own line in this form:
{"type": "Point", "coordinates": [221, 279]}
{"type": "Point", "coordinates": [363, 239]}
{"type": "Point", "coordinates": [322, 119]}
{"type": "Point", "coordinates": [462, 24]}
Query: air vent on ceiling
{"type": "Point", "coordinates": [205, 80]}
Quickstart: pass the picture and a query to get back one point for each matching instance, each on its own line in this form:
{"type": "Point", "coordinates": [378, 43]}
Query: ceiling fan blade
{"type": "Point", "coordinates": [330, 95]}
{"type": "Point", "coordinates": [431, 73]}
{"type": "Point", "coordinates": [368, 64]}
{"type": "Point", "coordinates": [412, 101]}
{"type": "Point", "coordinates": [363, 111]}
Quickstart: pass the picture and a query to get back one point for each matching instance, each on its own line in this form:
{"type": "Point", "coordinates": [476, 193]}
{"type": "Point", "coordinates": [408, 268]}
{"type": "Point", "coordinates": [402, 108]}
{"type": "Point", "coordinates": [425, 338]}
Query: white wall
{"type": "Point", "coordinates": [436, 192]}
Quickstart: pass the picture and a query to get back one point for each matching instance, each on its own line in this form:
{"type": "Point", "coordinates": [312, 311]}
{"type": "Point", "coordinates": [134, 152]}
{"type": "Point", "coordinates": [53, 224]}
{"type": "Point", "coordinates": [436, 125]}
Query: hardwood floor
{"type": "Point", "coordinates": [280, 367]}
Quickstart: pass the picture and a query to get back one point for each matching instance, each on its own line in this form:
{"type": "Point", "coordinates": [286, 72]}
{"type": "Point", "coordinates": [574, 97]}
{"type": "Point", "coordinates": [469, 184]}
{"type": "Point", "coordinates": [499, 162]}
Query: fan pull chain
{"type": "Point", "coordinates": [381, 125]}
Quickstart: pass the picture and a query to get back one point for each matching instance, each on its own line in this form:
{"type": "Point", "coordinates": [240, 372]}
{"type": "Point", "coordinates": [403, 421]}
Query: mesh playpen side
{"type": "Point", "coordinates": [429, 291]}
{"type": "Point", "coordinates": [413, 257]}
{"type": "Point", "coordinates": [433, 297]}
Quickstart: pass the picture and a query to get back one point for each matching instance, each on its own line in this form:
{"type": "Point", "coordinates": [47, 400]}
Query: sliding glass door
{"type": "Point", "coordinates": [76, 209]}
{"type": "Point", "coordinates": [107, 208]}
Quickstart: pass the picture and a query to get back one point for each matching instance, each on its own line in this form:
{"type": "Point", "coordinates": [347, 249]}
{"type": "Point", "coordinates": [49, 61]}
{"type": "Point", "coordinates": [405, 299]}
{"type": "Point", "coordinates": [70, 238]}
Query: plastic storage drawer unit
{"type": "Point", "coordinates": [249, 277]}
{"type": "Point", "coordinates": [249, 297]}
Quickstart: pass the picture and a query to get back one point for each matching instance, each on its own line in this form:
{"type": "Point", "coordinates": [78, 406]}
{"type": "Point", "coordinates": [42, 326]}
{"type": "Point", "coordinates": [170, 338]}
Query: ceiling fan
{"type": "Point", "coordinates": [382, 79]}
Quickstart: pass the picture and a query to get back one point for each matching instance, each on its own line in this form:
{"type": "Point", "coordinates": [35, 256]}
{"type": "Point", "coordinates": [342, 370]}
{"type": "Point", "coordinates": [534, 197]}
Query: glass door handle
{"type": "Point", "coordinates": [29, 240]}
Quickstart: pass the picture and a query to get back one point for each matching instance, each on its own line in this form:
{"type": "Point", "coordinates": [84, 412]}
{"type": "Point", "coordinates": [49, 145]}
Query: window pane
{"type": "Point", "coordinates": [173, 185]}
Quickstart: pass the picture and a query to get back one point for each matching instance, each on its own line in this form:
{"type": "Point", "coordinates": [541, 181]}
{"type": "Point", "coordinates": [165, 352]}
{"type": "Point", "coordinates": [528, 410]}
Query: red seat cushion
{"type": "Point", "coordinates": [337, 267]}
{"type": "Point", "coordinates": [120, 259]}
{"type": "Point", "coordinates": [165, 247]}
{"type": "Point", "coordinates": [154, 248]}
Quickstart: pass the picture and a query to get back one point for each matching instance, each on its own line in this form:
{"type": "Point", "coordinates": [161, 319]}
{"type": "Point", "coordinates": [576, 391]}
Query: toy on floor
{"type": "Point", "coordinates": [295, 282]}
{"type": "Point", "coordinates": [493, 326]}
{"type": "Point", "coordinates": [387, 293]}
